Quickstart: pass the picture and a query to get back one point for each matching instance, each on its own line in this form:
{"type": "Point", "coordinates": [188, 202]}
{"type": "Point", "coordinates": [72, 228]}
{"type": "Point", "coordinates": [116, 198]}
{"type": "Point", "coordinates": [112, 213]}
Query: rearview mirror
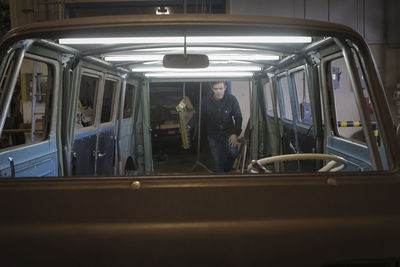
{"type": "Point", "coordinates": [188, 61]}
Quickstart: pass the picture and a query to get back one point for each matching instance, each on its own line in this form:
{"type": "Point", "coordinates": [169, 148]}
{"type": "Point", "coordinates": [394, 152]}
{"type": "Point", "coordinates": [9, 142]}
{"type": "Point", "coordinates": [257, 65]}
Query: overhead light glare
{"type": "Point", "coordinates": [124, 40]}
{"type": "Point", "coordinates": [214, 57]}
{"type": "Point", "coordinates": [191, 49]}
{"type": "Point", "coordinates": [198, 74]}
{"type": "Point", "coordinates": [211, 68]}
{"type": "Point", "coordinates": [134, 58]}
{"type": "Point", "coordinates": [156, 62]}
{"type": "Point", "coordinates": [189, 40]}
{"type": "Point", "coordinates": [248, 39]}
{"type": "Point", "coordinates": [219, 62]}
{"type": "Point", "coordinates": [250, 57]}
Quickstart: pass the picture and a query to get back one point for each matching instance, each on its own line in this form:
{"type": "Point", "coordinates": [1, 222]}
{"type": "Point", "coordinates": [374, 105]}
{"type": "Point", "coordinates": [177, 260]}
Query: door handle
{"type": "Point", "coordinates": [98, 155]}
{"type": "Point", "coordinates": [12, 166]}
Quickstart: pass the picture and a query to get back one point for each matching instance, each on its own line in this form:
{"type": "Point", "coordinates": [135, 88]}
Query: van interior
{"type": "Point", "coordinates": [118, 102]}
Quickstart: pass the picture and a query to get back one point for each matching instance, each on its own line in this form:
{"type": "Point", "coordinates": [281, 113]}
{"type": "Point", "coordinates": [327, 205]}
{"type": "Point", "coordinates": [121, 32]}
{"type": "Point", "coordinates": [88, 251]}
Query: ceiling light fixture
{"type": "Point", "coordinates": [133, 57]}
{"type": "Point", "coordinates": [189, 40]}
{"type": "Point", "coordinates": [124, 40]}
{"type": "Point", "coordinates": [248, 57]}
{"type": "Point", "coordinates": [248, 39]}
{"type": "Point", "coordinates": [158, 63]}
{"type": "Point", "coordinates": [191, 49]}
{"type": "Point", "coordinates": [198, 74]}
{"type": "Point", "coordinates": [209, 69]}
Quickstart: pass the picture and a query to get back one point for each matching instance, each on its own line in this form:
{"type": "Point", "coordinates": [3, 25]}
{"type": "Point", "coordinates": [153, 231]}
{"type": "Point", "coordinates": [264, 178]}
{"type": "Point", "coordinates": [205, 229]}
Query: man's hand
{"type": "Point", "coordinates": [233, 140]}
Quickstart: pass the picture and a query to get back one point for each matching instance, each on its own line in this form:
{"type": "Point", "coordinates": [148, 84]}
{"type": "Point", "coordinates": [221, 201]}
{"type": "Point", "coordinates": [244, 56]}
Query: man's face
{"type": "Point", "coordinates": [218, 90]}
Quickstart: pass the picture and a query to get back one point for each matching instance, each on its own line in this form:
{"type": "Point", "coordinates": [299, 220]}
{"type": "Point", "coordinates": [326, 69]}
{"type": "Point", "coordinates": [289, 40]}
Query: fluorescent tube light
{"type": "Point", "coordinates": [248, 39]}
{"type": "Point", "coordinates": [189, 40]}
{"type": "Point", "coordinates": [157, 62]}
{"type": "Point", "coordinates": [212, 62]}
{"type": "Point", "coordinates": [177, 49]}
{"type": "Point", "coordinates": [124, 40]}
{"type": "Point", "coordinates": [248, 57]}
{"type": "Point", "coordinates": [134, 57]}
{"type": "Point", "coordinates": [198, 74]}
{"type": "Point", "coordinates": [220, 62]}
{"type": "Point", "coordinates": [211, 68]}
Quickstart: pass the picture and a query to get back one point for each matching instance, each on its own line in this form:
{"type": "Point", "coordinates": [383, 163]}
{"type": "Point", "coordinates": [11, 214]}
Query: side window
{"type": "Point", "coordinates": [86, 110]}
{"type": "Point", "coordinates": [129, 101]}
{"type": "Point", "coordinates": [284, 88]}
{"type": "Point", "coordinates": [347, 114]}
{"type": "Point", "coordinates": [303, 97]}
{"type": "Point", "coordinates": [367, 99]}
{"type": "Point", "coordinates": [29, 115]}
{"type": "Point", "coordinates": [108, 100]}
{"type": "Point", "coordinates": [268, 99]}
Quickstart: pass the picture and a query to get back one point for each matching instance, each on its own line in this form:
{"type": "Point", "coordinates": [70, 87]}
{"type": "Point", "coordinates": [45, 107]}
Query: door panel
{"type": "Point", "coordinates": [106, 134]}
{"type": "Point", "coordinates": [106, 148]}
{"type": "Point", "coordinates": [35, 160]}
{"type": "Point", "coordinates": [356, 154]}
{"type": "Point", "coordinates": [348, 142]}
{"type": "Point", "coordinates": [28, 142]}
{"type": "Point", "coordinates": [299, 120]}
{"type": "Point", "coordinates": [84, 146]}
{"type": "Point", "coordinates": [83, 156]}
{"type": "Point", "coordinates": [127, 138]}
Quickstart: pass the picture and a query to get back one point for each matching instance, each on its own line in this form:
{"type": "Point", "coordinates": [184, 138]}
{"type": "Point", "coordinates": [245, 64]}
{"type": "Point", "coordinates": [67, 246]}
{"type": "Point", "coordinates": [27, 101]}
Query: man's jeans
{"type": "Point", "coordinates": [223, 154]}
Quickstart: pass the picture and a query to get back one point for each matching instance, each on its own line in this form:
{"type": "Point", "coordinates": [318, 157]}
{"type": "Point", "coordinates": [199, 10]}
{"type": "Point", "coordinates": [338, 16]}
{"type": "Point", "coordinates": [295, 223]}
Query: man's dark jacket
{"type": "Point", "coordinates": [222, 117]}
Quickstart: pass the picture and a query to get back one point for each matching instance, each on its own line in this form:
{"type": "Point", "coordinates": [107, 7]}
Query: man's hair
{"type": "Point", "coordinates": [212, 83]}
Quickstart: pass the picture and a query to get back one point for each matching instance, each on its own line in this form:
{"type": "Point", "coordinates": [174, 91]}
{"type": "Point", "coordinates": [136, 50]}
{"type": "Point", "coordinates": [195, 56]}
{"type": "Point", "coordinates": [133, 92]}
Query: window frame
{"type": "Point", "coordinates": [53, 69]}
{"type": "Point", "coordinates": [292, 80]}
{"type": "Point", "coordinates": [93, 74]}
{"type": "Point", "coordinates": [134, 88]}
{"type": "Point", "coordinates": [329, 106]}
{"type": "Point", "coordinates": [114, 105]}
{"type": "Point", "coordinates": [281, 98]}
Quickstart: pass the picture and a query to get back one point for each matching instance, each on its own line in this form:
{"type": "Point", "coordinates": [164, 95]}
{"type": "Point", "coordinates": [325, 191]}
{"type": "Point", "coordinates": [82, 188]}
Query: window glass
{"type": "Point", "coordinates": [287, 108]}
{"type": "Point", "coordinates": [322, 108]}
{"type": "Point", "coordinates": [303, 97]}
{"type": "Point", "coordinates": [128, 103]}
{"type": "Point", "coordinates": [28, 117]}
{"type": "Point", "coordinates": [86, 110]}
{"type": "Point", "coordinates": [3, 79]}
{"type": "Point", "coordinates": [268, 98]}
{"type": "Point", "coordinates": [347, 114]}
{"type": "Point", "coordinates": [108, 97]}
{"type": "Point", "coordinates": [367, 99]}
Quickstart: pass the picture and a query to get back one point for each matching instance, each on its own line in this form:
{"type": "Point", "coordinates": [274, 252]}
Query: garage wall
{"type": "Point", "coordinates": [365, 16]}
{"type": "Point", "coordinates": [377, 21]}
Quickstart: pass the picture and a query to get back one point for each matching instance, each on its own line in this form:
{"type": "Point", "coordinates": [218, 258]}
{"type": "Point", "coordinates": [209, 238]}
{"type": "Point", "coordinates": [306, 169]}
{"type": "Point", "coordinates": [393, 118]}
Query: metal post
{"type": "Point", "coordinates": [10, 86]}
{"type": "Point", "coordinates": [118, 162]}
{"type": "Point", "coordinates": [199, 136]}
{"type": "Point", "coordinates": [199, 124]}
{"type": "Point", "coordinates": [184, 91]}
{"type": "Point", "coordinates": [33, 99]}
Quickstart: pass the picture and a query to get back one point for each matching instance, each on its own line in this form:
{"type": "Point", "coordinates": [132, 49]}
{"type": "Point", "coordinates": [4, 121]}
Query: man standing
{"type": "Point", "coordinates": [223, 120]}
